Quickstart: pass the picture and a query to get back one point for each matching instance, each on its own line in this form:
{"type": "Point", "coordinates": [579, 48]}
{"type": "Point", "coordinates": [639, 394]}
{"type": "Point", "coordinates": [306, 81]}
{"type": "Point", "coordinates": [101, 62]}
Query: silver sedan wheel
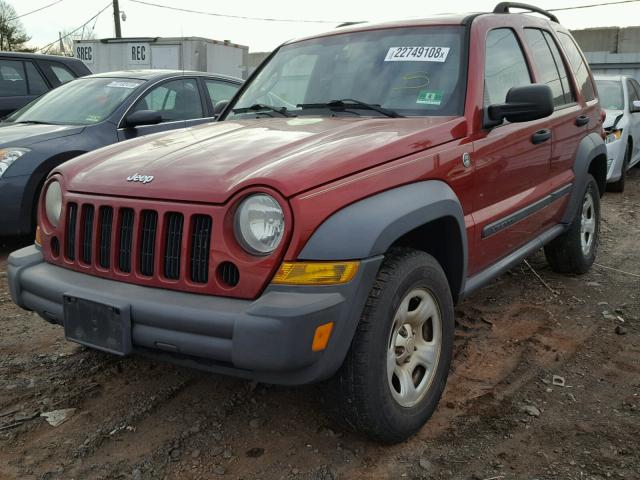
{"type": "Point", "coordinates": [414, 347]}
{"type": "Point", "coordinates": [587, 224]}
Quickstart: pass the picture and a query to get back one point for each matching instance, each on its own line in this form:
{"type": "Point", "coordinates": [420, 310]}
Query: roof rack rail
{"type": "Point", "coordinates": [348, 24]}
{"type": "Point", "coordinates": [503, 7]}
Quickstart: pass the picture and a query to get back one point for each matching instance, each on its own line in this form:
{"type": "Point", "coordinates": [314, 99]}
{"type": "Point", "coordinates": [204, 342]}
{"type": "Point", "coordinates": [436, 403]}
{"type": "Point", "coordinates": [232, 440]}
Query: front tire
{"type": "Point", "coordinates": [397, 367]}
{"type": "Point", "coordinates": [575, 250]}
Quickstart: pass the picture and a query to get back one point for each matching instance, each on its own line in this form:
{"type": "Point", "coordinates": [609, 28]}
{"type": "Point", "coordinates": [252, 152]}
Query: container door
{"type": "Point", "coordinates": [165, 57]}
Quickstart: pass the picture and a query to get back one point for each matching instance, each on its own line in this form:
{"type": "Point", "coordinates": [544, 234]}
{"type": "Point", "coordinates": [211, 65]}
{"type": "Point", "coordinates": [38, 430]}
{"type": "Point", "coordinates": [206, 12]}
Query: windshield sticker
{"type": "Point", "coordinates": [116, 84]}
{"type": "Point", "coordinates": [426, 97]}
{"type": "Point", "coordinates": [417, 54]}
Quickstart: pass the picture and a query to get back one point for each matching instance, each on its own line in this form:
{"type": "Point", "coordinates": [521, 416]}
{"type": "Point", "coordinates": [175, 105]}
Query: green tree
{"type": "Point", "coordinates": [13, 37]}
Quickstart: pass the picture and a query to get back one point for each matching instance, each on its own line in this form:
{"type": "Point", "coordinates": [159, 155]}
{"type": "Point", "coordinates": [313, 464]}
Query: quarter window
{"type": "Point", "coordinates": [175, 100]}
{"type": "Point", "coordinates": [505, 66]}
{"type": "Point", "coordinates": [62, 73]}
{"type": "Point", "coordinates": [580, 69]}
{"type": "Point", "coordinates": [549, 66]}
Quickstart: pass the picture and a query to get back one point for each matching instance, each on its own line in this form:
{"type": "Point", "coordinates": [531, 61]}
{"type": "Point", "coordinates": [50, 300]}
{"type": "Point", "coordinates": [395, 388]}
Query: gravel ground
{"type": "Point", "coordinates": [502, 416]}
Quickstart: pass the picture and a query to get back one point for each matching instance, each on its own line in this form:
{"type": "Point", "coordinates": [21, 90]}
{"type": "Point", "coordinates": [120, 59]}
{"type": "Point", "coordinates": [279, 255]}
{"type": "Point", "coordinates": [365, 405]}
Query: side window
{"type": "Point", "coordinates": [504, 66]}
{"type": "Point", "coordinates": [633, 94]}
{"type": "Point", "coordinates": [13, 81]}
{"type": "Point", "coordinates": [37, 85]}
{"type": "Point", "coordinates": [580, 69]}
{"type": "Point", "coordinates": [175, 100]}
{"type": "Point", "coordinates": [549, 66]}
{"type": "Point", "coordinates": [219, 91]}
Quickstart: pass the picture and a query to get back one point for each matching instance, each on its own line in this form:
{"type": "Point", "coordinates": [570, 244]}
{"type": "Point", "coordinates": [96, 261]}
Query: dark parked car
{"type": "Point", "coordinates": [89, 113]}
{"type": "Point", "coordinates": [25, 76]}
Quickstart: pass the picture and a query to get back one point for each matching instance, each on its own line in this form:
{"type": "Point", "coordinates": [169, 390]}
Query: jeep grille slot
{"type": "Point", "coordinates": [200, 240]}
{"type": "Point", "coordinates": [148, 241]}
{"type": "Point", "coordinates": [126, 239]}
{"type": "Point", "coordinates": [70, 236]}
{"type": "Point", "coordinates": [173, 245]}
{"type": "Point", "coordinates": [87, 232]}
{"type": "Point", "coordinates": [104, 236]}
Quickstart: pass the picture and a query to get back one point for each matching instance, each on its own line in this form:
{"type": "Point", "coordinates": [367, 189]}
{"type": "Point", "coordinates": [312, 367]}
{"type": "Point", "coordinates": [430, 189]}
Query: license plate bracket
{"type": "Point", "coordinates": [98, 323]}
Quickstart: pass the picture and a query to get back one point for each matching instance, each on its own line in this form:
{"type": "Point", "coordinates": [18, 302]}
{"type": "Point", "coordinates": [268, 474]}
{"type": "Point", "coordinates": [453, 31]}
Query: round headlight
{"type": "Point", "coordinates": [259, 224]}
{"type": "Point", "coordinates": [53, 203]}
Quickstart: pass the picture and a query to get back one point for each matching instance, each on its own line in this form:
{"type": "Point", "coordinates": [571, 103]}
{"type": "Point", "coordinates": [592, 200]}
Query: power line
{"type": "Point", "coordinates": [49, 45]}
{"type": "Point", "coordinates": [591, 6]}
{"type": "Point", "coordinates": [36, 10]}
{"type": "Point", "coordinates": [241, 17]}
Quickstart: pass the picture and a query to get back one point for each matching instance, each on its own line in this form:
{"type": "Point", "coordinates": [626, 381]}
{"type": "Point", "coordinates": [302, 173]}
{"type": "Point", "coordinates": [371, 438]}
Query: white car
{"type": "Point", "coordinates": [620, 98]}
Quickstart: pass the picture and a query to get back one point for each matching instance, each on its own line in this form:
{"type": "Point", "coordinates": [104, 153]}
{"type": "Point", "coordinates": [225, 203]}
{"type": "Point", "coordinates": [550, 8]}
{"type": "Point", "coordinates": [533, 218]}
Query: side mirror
{"type": "Point", "coordinates": [635, 106]}
{"type": "Point", "coordinates": [143, 117]}
{"type": "Point", "coordinates": [529, 102]}
{"type": "Point", "coordinates": [219, 107]}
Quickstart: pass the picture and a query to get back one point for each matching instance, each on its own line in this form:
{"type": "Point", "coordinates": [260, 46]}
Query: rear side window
{"type": "Point", "coordinates": [549, 66]}
{"type": "Point", "coordinates": [219, 91]}
{"type": "Point", "coordinates": [37, 85]}
{"type": "Point", "coordinates": [578, 65]}
{"type": "Point", "coordinates": [13, 80]}
{"type": "Point", "coordinates": [505, 66]}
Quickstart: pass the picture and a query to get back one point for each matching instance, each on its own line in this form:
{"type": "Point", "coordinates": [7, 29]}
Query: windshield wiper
{"type": "Point", "coordinates": [34, 122]}
{"type": "Point", "coordinates": [261, 106]}
{"type": "Point", "coordinates": [352, 103]}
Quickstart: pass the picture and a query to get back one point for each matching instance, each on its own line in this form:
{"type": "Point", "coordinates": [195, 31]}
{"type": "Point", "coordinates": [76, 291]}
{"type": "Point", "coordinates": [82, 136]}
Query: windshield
{"type": "Point", "coordinates": [610, 92]}
{"type": "Point", "coordinates": [410, 71]}
{"type": "Point", "coordinates": [84, 101]}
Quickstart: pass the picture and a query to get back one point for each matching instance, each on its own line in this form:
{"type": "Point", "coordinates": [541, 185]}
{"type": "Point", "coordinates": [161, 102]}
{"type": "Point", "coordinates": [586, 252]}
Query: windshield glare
{"type": "Point", "coordinates": [84, 101]}
{"type": "Point", "coordinates": [412, 71]}
{"type": "Point", "coordinates": [610, 92]}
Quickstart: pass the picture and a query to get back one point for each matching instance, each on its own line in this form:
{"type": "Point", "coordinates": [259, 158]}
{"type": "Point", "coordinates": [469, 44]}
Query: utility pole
{"type": "Point", "coordinates": [60, 42]}
{"type": "Point", "coordinates": [116, 18]}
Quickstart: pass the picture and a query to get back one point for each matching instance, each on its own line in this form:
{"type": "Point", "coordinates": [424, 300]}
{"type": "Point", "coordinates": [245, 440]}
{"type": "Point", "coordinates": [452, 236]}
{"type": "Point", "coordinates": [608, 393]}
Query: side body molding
{"type": "Point", "coordinates": [589, 148]}
{"type": "Point", "coordinates": [370, 226]}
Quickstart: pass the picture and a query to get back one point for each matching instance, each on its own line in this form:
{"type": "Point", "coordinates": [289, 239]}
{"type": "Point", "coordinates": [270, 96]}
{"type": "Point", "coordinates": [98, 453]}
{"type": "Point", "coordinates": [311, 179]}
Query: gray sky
{"type": "Point", "coordinates": [143, 20]}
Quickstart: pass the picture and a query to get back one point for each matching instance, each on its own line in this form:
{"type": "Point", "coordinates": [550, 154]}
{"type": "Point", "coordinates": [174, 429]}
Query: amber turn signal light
{"type": "Point", "coordinates": [321, 337]}
{"type": "Point", "coordinates": [315, 273]}
{"type": "Point", "coordinates": [38, 239]}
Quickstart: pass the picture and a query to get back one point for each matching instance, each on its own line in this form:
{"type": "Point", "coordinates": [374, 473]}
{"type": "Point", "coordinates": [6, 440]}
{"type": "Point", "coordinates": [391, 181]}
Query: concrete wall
{"type": "Point", "coordinates": [612, 50]}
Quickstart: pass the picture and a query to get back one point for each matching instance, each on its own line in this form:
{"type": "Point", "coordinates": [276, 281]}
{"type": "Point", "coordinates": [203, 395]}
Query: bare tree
{"type": "Point", "coordinates": [68, 38]}
{"type": "Point", "coordinates": [13, 36]}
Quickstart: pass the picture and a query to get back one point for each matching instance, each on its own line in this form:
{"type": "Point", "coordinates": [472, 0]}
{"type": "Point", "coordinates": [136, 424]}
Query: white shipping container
{"type": "Point", "coordinates": [179, 53]}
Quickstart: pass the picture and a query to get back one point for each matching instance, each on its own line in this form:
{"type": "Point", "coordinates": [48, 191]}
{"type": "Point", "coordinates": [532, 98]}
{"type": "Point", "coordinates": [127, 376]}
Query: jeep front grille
{"type": "Point", "coordinates": [139, 242]}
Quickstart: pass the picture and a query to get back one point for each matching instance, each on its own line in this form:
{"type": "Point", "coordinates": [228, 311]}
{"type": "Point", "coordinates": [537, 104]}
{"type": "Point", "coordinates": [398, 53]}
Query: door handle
{"type": "Point", "coordinates": [582, 120]}
{"type": "Point", "coordinates": [541, 136]}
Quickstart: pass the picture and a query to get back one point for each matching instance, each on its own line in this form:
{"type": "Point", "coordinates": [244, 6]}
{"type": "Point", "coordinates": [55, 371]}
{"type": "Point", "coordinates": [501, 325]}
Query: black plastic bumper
{"type": "Point", "coordinates": [268, 339]}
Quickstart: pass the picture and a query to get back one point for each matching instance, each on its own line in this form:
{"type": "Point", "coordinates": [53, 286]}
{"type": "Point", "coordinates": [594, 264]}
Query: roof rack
{"type": "Point", "coordinates": [503, 7]}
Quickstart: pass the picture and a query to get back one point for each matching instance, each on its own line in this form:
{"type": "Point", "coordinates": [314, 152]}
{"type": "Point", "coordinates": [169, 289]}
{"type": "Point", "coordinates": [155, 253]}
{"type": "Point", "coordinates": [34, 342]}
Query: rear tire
{"type": "Point", "coordinates": [575, 250]}
{"type": "Point", "coordinates": [396, 370]}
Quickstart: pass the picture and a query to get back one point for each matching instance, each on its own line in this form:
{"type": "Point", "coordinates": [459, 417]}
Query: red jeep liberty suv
{"type": "Point", "coordinates": [360, 184]}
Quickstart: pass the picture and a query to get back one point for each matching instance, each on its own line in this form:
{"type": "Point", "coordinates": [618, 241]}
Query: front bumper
{"type": "Point", "coordinates": [615, 159]}
{"type": "Point", "coordinates": [268, 339]}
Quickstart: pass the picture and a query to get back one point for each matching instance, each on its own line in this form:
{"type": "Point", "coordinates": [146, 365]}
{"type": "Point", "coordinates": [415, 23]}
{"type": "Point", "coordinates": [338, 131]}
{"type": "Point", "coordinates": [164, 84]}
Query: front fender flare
{"type": "Point", "coordinates": [370, 226]}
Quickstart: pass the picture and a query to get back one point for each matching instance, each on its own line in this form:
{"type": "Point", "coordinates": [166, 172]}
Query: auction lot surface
{"type": "Point", "coordinates": [501, 416]}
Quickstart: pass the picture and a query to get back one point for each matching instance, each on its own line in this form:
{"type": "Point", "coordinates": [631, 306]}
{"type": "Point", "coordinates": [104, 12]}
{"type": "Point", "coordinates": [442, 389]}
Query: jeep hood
{"type": "Point", "coordinates": [26, 134]}
{"type": "Point", "coordinates": [210, 163]}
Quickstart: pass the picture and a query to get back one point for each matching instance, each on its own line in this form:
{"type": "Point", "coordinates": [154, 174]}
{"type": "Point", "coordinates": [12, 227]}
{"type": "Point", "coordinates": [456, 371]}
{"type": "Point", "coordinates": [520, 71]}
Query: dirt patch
{"type": "Point", "coordinates": [501, 416]}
